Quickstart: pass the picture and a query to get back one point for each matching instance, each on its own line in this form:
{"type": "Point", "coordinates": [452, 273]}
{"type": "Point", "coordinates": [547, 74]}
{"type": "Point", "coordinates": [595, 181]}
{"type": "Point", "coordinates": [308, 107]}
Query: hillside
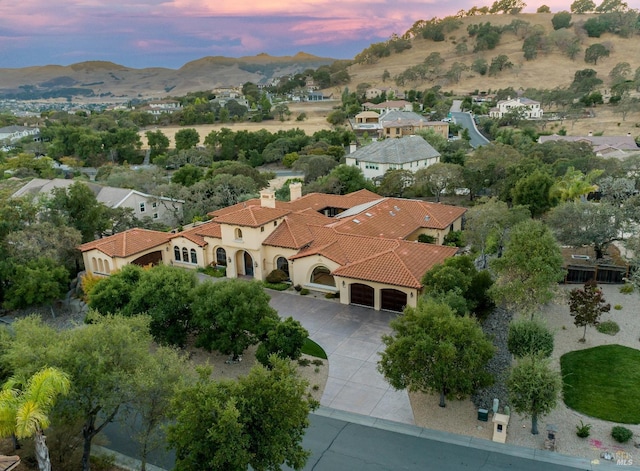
{"type": "Point", "coordinates": [547, 71]}
{"type": "Point", "coordinates": [97, 80]}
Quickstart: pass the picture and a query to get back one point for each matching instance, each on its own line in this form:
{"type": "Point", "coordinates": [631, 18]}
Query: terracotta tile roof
{"type": "Point", "coordinates": [396, 218]}
{"type": "Point", "coordinates": [319, 201]}
{"type": "Point", "coordinates": [235, 207]}
{"type": "Point", "coordinates": [251, 216]}
{"type": "Point", "coordinates": [197, 234]}
{"type": "Point", "coordinates": [125, 244]}
{"type": "Point", "coordinates": [405, 265]}
{"type": "Point", "coordinates": [294, 232]}
{"type": "Point", "coordinates": [389, 261]}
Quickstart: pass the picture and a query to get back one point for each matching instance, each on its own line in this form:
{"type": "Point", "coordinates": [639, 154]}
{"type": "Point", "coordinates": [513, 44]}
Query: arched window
{"type": "Point", "coordinates": [100, 265]}
{"type": "Point", "coordinates": [238, 234]}
{"type": "Point", "coordinates": [185, 254]}
{"type": "Point", "coordinates": [322, 276]}
{"type": "Point", "coordinates": [194, 256]}
{"type": "Point", "coordinates": [221, 257]}
{"type": "Point", "coordinates": [283, 264]}
{"type": "Point", "coordinates": [107, 268]}
{"type": "Point", "coordinates": [176, 253]}
{"type": "Point", "coordinates": [94, 263]}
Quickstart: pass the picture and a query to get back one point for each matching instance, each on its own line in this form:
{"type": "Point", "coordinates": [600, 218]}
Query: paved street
{"type": "Point", "coordinates": [341, 441]}
{"type": "Point", "coordinates": [466, 121]}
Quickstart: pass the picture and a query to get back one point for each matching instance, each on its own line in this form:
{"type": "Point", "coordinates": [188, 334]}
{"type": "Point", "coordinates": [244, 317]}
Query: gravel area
{"type": "Point", "coordinates": [461, 416]}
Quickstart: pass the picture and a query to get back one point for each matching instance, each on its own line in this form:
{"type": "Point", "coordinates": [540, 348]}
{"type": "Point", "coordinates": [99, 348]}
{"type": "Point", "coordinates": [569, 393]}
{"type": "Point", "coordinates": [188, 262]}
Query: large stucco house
{"type": "Point", "coordinates": [158, 208]}
{"type": "Point", "coordinates": [531, 109]}
{"type": "Point", "coordinates": [407, 153]}
{"type": "Point", "coordinates": [395, 124]}
{"type": "Point", "coordinates": [359, 246]}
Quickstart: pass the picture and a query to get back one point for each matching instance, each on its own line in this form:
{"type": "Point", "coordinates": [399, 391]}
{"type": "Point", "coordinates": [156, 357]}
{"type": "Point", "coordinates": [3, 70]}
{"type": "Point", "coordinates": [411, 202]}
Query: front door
{"type": "Point", "coordinates": [248, 264]}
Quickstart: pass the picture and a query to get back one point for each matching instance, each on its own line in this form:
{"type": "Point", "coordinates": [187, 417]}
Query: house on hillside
{"type": "Point", "coordinates": [360, 247]}
{"type": "Point", "coordinates": [159, 208]}
{"type": "Point", "coordinates": [530, 108]}
{"type": "Point", "coordinates": [389, 105]}
{"type": "Point", "coordinates": [406, 153]}
{"type": "Point", "coordinates": [376, 92]}
{"type": "Point", "coordinates": [407, 123]}
{"type": "Point", "coordinates": [158, 107]}
{"type": "Point", "coordinates": [603, 146]}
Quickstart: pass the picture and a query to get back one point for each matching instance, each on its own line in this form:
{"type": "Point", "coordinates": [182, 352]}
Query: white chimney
{"type": "Point", "coordinates": [352, 147]}
{"type": "Point", "coordinates": [267, 199]}
{"type": "Point", "coordinates": [295, 191]}
{"type": "Point", "coordinates": [590, 134]}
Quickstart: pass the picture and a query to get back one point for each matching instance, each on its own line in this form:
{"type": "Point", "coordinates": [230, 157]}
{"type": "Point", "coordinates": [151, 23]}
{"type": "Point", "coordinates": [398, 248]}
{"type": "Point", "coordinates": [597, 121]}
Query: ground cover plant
{"type": "Point", "coordinates": [603, 382]}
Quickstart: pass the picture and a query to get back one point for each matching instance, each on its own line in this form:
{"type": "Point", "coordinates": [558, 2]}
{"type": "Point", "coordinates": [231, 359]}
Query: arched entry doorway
{"type": "Point", "coordinates": [244, 262]}
{"type": "Point", "coordinates": [322, 276]}
{"type": "Point", "coordinates": [364, 295]}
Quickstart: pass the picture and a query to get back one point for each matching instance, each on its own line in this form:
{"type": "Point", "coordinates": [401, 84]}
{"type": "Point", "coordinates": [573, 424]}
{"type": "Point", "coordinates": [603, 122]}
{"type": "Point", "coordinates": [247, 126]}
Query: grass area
{"type": "Point", "coordinates": [603, 382]}
{"type": "Point", "coordinates": [277, 286]}
{"type": "Point", "coordinates": [216, 272]}
{"type": "Point", "coordinates": [313, 349]}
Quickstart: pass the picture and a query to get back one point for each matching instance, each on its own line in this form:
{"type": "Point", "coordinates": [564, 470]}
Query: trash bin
{"type": "Point", "coordinates": [483, 415]}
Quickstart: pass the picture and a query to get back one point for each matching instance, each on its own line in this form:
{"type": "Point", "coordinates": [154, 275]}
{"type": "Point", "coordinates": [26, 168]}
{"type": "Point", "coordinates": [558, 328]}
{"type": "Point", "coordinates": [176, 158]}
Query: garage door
{"type": "Point", "coordinates": [362, 294]}
{"type": "Point", "coordinates": [393, 300]}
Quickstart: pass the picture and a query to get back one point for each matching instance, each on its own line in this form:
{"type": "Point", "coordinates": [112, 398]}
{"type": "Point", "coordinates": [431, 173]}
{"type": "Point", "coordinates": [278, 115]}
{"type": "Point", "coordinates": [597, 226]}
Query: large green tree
{"type": "Point", "coordinates": [257, 421]}
{"type": "Point", "coordinates": [186, 138]}
{"type": "Point", "coordinates": [433, 350]}
{"type": "Point", "coordinates": [531, 267]}
{"type": "Point", "coordinates": [534, 388]}
{"type": "Point", "coordinates": [529, 337]}
{"type": "Point", "coordinates": [231, 315]}
{"type": "Point", "coordinates": [103, 359]}
{"type": "Point", "coordinates": [578, 223]}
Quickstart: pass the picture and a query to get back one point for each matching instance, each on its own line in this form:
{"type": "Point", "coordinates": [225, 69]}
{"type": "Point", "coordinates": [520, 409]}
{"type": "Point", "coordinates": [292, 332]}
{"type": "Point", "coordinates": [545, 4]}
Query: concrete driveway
{"type": "Point", "coordinates": [351, 337]}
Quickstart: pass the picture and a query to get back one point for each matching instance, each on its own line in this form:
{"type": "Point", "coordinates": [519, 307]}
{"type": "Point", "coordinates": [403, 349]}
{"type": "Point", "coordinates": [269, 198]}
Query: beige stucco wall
{"type": "Point", "coordinates": [182, 242]}
{"type": "Point", "coordinates": [412, 294]}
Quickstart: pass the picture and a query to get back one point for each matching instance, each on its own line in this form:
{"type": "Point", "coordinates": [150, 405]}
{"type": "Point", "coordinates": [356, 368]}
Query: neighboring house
{"type": "Point", "coordinates": [407, 123]}
{"type": "Point", "coordinates": [376, 92]}
{"type": "Point", "coordinates": [530, 108]}
{"type": "Point", "coordinates": [159, 107]}
{"type": "Point", "coordinates": [318, 96]}
{"type": "Point", "coordinates": [11, 134]}
{"type": "Point", "coordinates": [367, 254]}
{"type": "Point", "coordinates": [603, 146]}
{"type": "Point", "coordinates": [406, 153]}
{"type": "Point", "coordinates": [389, 105]}
{"type": "Point", "coordinates": [225, 95]}
{"type": "Point", "coordinates": [160, 209]}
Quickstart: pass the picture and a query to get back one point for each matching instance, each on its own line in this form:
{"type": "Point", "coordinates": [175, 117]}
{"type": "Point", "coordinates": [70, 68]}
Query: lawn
{"type": "Point", "coordinates": [313, 349]}
{"type": "Point", "coordinates": [603, 382]}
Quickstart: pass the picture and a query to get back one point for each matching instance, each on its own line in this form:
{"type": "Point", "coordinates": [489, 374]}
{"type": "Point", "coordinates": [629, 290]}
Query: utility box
{"type": "Point", "coordinates": [483, 415]}
{"type": "Point", "coordinates": [500, 423]}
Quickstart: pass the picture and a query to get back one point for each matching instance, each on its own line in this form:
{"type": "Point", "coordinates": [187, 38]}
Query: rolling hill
{"type": "Point", "coordinates": [94, 80]}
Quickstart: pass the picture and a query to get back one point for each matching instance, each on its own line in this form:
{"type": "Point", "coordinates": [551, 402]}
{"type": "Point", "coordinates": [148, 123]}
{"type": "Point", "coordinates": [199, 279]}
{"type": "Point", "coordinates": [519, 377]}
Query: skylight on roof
{"type": "Point", "coordinates": [369, 214]}
{"type": "Point", "coordinates": [357, 221]}
{"type": "Point", "coordinates": [392, 213]}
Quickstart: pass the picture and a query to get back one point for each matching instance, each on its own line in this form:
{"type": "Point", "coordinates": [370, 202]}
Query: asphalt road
{"type": "Point", "coordinates": [466, 121]}
{"type": "Point", "coordinates": [340, 445]}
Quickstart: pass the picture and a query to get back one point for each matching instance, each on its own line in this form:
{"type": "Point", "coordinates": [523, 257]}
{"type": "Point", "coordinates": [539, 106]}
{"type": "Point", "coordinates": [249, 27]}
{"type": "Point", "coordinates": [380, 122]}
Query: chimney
{"type": "Point", "coordinates": [590, 134]}
{"type": "Point", "coordinates": [352, 148]}
{"type": "Point", "coordinates": [267, 199]}
{"type": "Point", "coordinates": [628, 134]}
{"type": "Point", "coordinates": [295, 191]}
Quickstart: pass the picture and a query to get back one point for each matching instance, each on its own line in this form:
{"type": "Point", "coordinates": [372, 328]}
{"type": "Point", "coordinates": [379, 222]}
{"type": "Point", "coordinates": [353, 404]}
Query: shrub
{"type": "Point", "coordinates": [627, 288]}
{"type": "Point", "coordinates": [304, 291]}
{"type": "Point", "coordinates": [277, 276]}
{"type": "Point", "coordinates": [298, 288]}
{"type": "Point", "coordinates": [621, 434]}
{"type": "Point", "coordinates": [454, 239]}
{"type": "Point", "coordinates": [583, 430]}
{"type": "Point", "coordinates": [317, 362]}
{"type": "Point", "coordinates": [277, 286]}
{"type": "Point", "coordinates": [87, 283]}
{"type": "Point", "coordinates": [608, 327]}
{"type": "Point", "coordinates": [617, 307]}
{"type": "Point", "coordinates": [214, 271]}
{"type": "Point", "coordinates": [304, 362]}
{"type": "Point", "coordinates": [426, 239]}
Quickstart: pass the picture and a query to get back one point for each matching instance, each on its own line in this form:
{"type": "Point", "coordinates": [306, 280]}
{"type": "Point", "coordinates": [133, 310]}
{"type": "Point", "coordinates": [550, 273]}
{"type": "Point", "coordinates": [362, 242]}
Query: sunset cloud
{"type": "Point", "coordinates": [169, 33]}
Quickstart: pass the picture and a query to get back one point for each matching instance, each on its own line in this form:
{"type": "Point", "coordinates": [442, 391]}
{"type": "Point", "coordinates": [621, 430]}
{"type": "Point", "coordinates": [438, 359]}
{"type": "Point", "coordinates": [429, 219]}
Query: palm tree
{"type": "Point", "coordinates": [24, 413]}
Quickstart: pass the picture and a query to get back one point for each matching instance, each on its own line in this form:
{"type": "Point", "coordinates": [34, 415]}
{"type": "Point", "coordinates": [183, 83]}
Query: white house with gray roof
{"type": "Point", "coordinates": [530, 108]}
{"type": "Point", "coordinates": [160, 209]}
{"type": "Point", "coordinates": [406, 153]}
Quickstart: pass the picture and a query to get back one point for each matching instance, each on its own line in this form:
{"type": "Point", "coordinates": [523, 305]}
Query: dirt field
{"type": "Point", "coordinates": [316, 121]}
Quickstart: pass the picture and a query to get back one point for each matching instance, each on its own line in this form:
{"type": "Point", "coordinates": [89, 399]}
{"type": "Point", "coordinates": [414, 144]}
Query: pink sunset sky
{"type": "Point", "coordinates": [169, 33]}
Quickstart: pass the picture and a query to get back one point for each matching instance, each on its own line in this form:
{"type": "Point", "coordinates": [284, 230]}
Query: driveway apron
{"type": "Point", "coordinates": [351, 337]}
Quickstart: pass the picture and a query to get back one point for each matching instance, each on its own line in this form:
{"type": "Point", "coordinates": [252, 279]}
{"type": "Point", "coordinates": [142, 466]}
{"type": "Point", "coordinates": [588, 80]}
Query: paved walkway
{"type": "Point", "coordinates": [351, 337]}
